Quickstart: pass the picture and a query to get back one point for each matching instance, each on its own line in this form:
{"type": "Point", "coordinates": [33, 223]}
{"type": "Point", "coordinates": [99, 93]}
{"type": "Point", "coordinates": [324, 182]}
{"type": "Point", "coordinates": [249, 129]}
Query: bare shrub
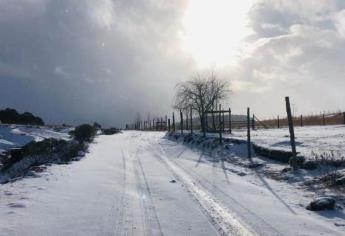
{"type": "Point", "coordinates": [329, 166]}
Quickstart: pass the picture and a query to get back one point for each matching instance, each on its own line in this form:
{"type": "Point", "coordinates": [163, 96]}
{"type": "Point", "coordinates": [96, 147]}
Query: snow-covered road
{"type": "Point", "coordinates": [138, 183]}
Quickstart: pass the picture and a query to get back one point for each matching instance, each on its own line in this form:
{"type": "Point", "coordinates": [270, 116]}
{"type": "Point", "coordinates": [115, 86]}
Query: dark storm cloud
{"type": "Point", "coordinates": [81, 61]}
{"type": "Point", "coordinates": [77, 61]}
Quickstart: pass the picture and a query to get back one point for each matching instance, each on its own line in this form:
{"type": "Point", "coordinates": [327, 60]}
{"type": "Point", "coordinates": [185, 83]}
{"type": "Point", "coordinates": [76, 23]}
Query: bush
{"type": "Point", "coordinates": [46, 148]}
{"type": "Point", "coordinates": [97, 126]}
{"type": "Point", "coordinates": [11, 116]}
{"type": "Point", "coordinates": [34, 154]}
{"type": "Point", "coordinates": [110, 131]}
{"type": "Point", "coordinates": [84, 133]}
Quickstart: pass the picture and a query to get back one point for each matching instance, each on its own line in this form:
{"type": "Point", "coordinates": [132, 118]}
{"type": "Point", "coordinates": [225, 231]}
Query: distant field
{"type": "Point", "coordinates": [309, 140]}
{"type": "Point", "coordinates": [323, 119]}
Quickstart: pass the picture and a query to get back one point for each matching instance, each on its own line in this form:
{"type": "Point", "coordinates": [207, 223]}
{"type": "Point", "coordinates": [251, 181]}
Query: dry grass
{"type": "Point", "coordinates": [326, 119]}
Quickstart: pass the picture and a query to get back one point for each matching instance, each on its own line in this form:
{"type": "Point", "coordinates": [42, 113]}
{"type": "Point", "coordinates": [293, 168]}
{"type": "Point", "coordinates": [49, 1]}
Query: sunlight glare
{"type": "Point", "coordinates": [213, 30]}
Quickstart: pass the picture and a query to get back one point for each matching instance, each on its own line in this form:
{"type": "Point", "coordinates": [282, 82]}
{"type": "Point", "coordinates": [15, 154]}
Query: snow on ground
{"type": "Point", "coordinates": [139, 183]}
{"type": "Point", "coordinates": [317, 139]}
{"type": "Point", "coordinates": [12, 136]}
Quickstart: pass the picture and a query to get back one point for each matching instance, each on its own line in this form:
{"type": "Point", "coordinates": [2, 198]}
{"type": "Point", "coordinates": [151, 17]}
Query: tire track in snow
{"type": "Point", "coordinates": [224, 222]}
{"type": "Point", "coordinates": [152, 224]}
{"type": "Point", "coordinates": [264, 227]}
{"type": "Point", "coordinates": [120, 225]}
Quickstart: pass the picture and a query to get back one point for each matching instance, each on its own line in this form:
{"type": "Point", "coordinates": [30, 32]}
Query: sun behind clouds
{"type": "Point", "coordinates": [213, 30]}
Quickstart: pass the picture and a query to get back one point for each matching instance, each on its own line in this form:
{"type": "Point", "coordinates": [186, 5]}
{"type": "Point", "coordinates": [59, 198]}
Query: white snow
{"type": "Point", "coordinates": [124, 186]}
{"type": "Point", "coordinates": [12, 136]}
{"type": "Point", "coordinates": [317, 139]}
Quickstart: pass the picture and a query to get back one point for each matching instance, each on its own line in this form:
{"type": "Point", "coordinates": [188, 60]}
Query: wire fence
{"type": "Point", "coordinates": [224, 121]}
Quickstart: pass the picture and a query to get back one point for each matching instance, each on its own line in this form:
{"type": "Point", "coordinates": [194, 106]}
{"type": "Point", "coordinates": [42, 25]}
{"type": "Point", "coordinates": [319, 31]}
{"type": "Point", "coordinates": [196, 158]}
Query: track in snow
{"type": "Point", "coordinates": [123, 187]}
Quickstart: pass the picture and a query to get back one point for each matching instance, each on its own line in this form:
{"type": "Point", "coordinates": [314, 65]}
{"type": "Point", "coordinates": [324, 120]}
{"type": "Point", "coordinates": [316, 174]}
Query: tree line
{"type": "Point", "coordinates": [11, 116]}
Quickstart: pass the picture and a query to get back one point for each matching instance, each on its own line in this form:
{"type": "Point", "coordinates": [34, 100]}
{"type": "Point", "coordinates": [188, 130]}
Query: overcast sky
{"type": "Point", "coordinates": [77, 61]}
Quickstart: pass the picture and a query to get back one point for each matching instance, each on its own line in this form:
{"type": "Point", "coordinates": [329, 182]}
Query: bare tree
{"type": "Point", "coordinates": [202, 92]}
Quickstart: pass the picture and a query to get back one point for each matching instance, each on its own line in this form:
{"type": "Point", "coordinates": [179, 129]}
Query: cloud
{"type": "Point", "coordinates": [89, 60]}
{"type": "Point", "coordinates": [81, 61]}
{"type": "Point", "coordinates": [297, 49]}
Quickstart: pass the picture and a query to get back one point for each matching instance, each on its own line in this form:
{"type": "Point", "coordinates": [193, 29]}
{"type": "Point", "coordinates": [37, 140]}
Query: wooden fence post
{"type": "Point", "coordinates": [223, 121]}
{"type": "Point", "coordinates": [187, 119]}
{"type": "Point", "coordinates": [220, 124]}
{"type": "Point", "coordinates": [301, 120]}
{"type": "Point", "coordinates": [191, 120]}
{"type": "Point", "coordinates": [203, 128]}
{"type": "Point", "coordinates": [249, 147]}
{"type": "Point", "coordinates": [323, 119]}
{"type": "Point", "coordinates": [230, 124]}
{"type": "Point", "coordinates": [293, 161]}
{"type": "Point", "coordinates": [344, 117]}
{"type": "Point", "coordinates": [169, 124]}
{"type": "Point", "coordinates": [253, 122]}
{"type": "Point", "coordinates": [278, 122]}
{"type": "Point", "coordinates": [181, 121]}
{"type": "Point", "coordinates": [174, 127]}
{"type": "Point", "coordinates": [166, 122]}
{"type": "Point", "coordinates": [213, 120]}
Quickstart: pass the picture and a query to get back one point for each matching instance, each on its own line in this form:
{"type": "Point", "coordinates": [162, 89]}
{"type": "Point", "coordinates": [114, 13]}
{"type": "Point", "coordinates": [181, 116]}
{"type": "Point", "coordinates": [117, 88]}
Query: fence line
{"type": "Point", "coordinates": [306, 120]}
{"type": "Point", "coordinates": [231, 122]}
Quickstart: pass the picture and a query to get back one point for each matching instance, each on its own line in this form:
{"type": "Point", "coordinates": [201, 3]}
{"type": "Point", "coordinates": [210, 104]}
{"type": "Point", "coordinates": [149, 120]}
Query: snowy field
{"type": "Point", "coordinates": [12, 136]}
{"type": "Point", "coordinates": [309, 139]}
{"type": "Point", "coordinates": [139, 183]}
